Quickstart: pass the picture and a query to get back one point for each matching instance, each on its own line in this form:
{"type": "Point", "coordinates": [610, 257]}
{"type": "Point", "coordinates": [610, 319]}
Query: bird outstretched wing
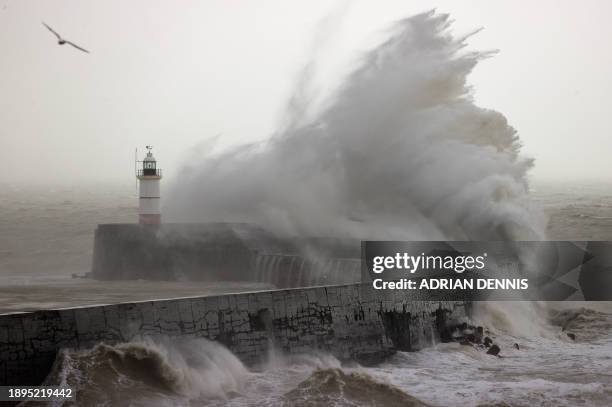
{"type": "Point", "coordinates": [76, 46]}
{"type": "Point", "coordinates": [51, 29]}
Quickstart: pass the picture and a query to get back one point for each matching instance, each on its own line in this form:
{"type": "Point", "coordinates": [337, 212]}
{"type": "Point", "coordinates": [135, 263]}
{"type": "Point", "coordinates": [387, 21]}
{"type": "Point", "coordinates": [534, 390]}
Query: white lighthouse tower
{"type": "Point", "coordinates": [149, 212]}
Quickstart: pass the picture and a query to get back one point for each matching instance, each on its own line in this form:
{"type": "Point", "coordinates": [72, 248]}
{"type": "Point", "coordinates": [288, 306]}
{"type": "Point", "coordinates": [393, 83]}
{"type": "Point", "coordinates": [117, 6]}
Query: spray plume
{"type": "Point", "coordinates": [398, 151]}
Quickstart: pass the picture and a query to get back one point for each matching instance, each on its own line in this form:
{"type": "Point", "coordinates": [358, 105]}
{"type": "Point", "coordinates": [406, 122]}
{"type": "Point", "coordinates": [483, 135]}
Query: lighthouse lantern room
{"type": "Point", "coordinates": [149, 176]}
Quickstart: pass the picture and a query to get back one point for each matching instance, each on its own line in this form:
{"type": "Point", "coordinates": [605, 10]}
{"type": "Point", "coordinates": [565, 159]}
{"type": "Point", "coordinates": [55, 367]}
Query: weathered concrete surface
{"type": "Point", "coordinates": [210, 251]}
{"type": "Point", "coordinates": [349, 321]}
{"type": "Point", "coordinates": [221, 252]}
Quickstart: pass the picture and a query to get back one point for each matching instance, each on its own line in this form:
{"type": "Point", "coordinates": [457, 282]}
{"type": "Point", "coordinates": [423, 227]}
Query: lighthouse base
{"type": "Point", "coordinates": [221, 252]}
{"type": "Point", "coordinates": [149, 219]}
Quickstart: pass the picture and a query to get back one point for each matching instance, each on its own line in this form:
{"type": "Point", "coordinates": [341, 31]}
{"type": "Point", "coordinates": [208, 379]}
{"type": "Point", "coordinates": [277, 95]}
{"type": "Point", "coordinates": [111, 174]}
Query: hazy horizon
{"type": "Point", "coordinates": [175, 76]}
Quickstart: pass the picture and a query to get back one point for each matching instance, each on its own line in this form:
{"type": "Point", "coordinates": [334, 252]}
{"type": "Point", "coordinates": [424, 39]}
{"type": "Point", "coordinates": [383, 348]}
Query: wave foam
{"type": "Point", "coordinates": [153, 370]}
{"type": "Point", "coordinates": [334, 387]}
{"type": "Point", "coordinates": [398, 151]}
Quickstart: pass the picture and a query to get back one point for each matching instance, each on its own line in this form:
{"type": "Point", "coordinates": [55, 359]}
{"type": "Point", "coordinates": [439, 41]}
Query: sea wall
{"type": "Point", "coordinates": [214, 251]}
{"type": "Point", "coordinates": [349, 321]}
{"type": "Point", "coordinates": [221, 252]}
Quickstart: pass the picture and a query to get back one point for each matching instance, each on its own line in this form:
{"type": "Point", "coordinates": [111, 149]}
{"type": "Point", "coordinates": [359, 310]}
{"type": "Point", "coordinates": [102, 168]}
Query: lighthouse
{"type": "Point", "coordinates": [149, 176]}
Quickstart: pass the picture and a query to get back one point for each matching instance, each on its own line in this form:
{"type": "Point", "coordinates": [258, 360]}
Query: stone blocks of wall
{"type": "Point", "coordinates": [349, 321]}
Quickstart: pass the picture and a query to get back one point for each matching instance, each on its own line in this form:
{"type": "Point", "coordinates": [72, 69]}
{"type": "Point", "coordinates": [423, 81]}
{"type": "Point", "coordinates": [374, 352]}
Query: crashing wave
{"type": "Point", "coordinates": [398, 151]}
{"type": "Point", "coordinates": [148, 371]}
{"type": "Point", "coordinates": [334, 387]}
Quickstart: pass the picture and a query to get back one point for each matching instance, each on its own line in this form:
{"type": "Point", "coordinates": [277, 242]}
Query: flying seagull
{"type": "Point", "coordinates": [62, 41]}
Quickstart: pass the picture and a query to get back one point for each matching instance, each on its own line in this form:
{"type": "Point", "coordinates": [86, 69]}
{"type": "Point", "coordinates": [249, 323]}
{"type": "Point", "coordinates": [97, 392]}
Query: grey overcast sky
{"type": "Point", "coordinates": [174, 73]}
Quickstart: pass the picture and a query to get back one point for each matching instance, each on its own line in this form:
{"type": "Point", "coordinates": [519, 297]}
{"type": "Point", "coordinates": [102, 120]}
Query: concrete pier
{"type": "Point", "coordinates": [221, 252]}
{"type": "Point", "coordinates": [348, 321]}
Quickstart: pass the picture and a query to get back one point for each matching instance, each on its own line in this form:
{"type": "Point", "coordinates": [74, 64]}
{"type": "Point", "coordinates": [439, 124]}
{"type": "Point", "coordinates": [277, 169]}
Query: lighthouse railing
{"type": "Point", "coordinates": [149, 172]}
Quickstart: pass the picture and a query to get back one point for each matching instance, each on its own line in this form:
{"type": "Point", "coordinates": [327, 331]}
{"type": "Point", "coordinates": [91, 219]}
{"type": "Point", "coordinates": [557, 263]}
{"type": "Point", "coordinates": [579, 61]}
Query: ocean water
{"type": "Point", "coordinates": [47, 235]}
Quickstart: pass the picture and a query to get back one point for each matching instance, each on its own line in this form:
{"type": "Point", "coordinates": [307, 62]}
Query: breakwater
{"type": "Point", "coordinates": [221, 252]}
{"type": "Point", "coordinates": [351, 322]}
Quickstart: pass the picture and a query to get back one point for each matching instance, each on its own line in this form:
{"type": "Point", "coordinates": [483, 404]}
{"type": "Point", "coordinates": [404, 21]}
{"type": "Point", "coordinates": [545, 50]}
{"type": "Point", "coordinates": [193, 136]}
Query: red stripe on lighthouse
{"type": "Point", "coordinates": [149, 219]}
